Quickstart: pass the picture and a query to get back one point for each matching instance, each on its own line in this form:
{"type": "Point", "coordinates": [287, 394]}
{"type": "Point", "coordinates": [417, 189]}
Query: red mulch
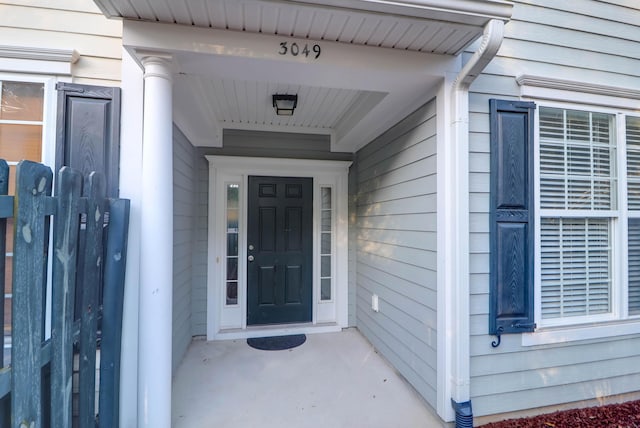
{"type": "Point", "coordinates": [623, 415]}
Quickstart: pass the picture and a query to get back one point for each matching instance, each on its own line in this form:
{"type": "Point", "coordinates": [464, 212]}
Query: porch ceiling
{"type": "Point", "coordinates": [441, 26]}
{"type": "Point", "coordinates": [235, 92]}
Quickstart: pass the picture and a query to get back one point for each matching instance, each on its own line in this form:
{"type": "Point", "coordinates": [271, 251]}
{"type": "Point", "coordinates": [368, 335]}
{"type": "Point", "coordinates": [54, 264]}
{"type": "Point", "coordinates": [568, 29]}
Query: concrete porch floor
{"type": "Point", "coordinates": [332, 380]}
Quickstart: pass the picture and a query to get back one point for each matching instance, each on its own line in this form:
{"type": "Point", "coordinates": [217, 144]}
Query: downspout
{"type": "Point", "coordinates": [459, 251]}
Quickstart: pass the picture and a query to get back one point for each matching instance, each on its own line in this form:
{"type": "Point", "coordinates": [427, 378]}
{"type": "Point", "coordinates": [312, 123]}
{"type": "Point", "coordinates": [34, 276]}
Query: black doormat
{"type": "Point", "coordinates": [277, 343]}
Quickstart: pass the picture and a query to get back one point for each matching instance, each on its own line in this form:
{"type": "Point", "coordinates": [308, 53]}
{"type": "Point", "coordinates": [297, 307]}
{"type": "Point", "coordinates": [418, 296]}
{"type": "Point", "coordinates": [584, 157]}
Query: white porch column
{"type": "Point", "coordinates": [156, 246]}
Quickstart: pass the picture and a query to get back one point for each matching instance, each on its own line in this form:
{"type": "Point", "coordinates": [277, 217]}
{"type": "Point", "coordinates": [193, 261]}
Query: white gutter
{"type": "Point", "coordinates": [457, 328]}
{"type": "Point", "coordinates": [467, 12]}
{"type": "Point", "coordinates": [470, 12]}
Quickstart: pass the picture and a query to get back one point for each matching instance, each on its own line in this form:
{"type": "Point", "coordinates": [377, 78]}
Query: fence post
{"type": "Point", "coordinates": [33, 185]}
{"type": "Point", "coordinates": [112, 303]}
{"type": "Point", "coordinates": [65, 247]}
{"type": "Point", "coordinates": [4, 190]}
{"type": "Point", "coordinates": [92, 269]}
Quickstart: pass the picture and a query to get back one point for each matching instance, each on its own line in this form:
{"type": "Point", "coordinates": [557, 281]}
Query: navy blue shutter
{"type": "Point", "coordinates": [511, 290]}
{"type": "Point", "coordinates": [88, 131]}
{"type": "Point", "coordinates": [88, 139]}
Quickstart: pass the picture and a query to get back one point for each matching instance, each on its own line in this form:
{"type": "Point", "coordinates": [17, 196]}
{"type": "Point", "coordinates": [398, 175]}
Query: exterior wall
{"type": "Point", "coordinates": [353, 243]}
{"type": "Point", "coordinates": [241, 143]}
{"type": "Point", "coordinates": [67, 24]}
{"type": "Point", "coordinates": [199, 290]}
{"type": "Point", "coordinates": [577, 40]}
{"type": "Point", "coordinates": [184, 194]}
{"type": "Point", "coordinates": [396, 247]}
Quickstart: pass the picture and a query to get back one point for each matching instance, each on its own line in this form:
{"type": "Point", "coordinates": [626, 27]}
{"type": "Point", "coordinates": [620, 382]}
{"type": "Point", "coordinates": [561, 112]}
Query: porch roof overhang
{"type": "Point", "coordinates": [378, 60]}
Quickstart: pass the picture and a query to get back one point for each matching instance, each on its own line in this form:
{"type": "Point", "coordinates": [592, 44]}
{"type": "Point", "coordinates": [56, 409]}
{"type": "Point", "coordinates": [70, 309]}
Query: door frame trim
{"type": "Point", "coordinates": [226, 322]}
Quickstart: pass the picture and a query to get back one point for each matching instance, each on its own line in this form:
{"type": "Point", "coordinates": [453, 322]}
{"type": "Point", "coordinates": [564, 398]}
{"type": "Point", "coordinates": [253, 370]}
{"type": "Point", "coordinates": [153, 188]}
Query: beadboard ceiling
{"type": "Point", "coordinates": [242, 100]}
{"type": "Point", "coordinates": [439, 33]}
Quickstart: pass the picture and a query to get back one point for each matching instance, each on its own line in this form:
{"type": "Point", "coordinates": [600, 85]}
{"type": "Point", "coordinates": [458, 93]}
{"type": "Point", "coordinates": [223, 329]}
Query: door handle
{"type": "Point", "coordinates": [250, 258]}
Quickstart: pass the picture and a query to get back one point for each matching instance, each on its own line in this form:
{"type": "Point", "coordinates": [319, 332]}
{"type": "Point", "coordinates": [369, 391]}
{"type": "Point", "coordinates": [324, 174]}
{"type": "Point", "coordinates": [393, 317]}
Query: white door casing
{"type": "Point", "coordinates": [229, 321]}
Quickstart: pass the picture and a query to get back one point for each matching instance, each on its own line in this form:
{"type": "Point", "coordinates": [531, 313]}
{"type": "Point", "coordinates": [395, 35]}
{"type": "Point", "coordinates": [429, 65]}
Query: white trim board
{"type": "Point", "coordinates": [229, 321]}
{"type": "Point", "coordinates": [584, 332]}
{"type": "Point", "coordinates": [278, 330]}
{"type": "Point", "coordinates": [37, 60]}
{"type": "Point", "coordinates": [549, 88]}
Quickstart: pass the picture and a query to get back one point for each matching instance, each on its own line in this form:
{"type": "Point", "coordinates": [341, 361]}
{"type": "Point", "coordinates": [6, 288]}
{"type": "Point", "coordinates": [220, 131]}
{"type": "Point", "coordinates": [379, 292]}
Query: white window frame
{"type": "Point", "coordinates": [48, 113]}
{"type": "Point", "coordinates": [48, 149]}
{"type": "Point", "coordinates": [332, 253]}
{"type": "Point", "coordinates": [617, 322]}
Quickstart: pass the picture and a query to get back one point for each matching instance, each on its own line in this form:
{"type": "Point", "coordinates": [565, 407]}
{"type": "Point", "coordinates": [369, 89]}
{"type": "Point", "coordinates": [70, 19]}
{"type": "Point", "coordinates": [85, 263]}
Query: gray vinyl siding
{"type": "Point", "coordinates": [199, 296]}
{"type": "Point", "coordinates": [353, 243]}
{"type": "Point", "coordinates": [242, 143]}
{"type": "Point", "coordinates": [183, 232]}
{"type": "Point", "coordinates": [580, 40]}
{"type": "Point", "coordinates": [395, 202]}
{"type": "Point", "coordinates": [200, 258]}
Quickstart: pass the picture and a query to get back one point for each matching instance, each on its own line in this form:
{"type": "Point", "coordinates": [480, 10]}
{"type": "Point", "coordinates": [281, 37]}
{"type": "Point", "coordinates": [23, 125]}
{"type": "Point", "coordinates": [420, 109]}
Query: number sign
{"type": "Point", "coordinates": [295, 49]}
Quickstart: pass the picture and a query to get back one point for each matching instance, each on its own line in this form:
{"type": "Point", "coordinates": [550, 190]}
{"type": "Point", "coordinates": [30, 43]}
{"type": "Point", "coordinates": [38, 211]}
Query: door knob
{"type": "Point", "coordinates": [250, 258]}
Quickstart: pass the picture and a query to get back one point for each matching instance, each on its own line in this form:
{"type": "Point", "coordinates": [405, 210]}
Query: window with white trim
{"type": "Point", "coordinates": [326, 247]}
{"type": "Point", "coordinates": [21, 137]}
{"type": "Point", "coordinates": [232, 248]}
{"type": "Point", "coordinates": [582, 215]}
{"type": "Point", "coordinates": [632, 125]}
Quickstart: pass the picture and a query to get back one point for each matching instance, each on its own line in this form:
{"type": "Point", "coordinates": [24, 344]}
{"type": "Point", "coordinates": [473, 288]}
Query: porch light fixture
{"type": "Point", "coordinates": [285, 104]}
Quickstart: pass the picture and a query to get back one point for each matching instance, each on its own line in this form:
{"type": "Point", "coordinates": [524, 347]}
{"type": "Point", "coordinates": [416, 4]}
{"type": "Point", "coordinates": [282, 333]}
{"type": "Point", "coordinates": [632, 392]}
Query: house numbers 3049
{"type": "Point", "coordinates": [295, 49]}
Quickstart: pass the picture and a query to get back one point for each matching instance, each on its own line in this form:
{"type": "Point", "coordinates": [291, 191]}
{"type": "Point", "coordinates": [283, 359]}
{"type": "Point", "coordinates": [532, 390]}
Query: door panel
{"type": "Point", "coordinates": [293, 284]}
{"type": "Point", "coordinates": [279, 269]}
{"type": "Point", "coordinates": [267, 228]}
{"type": "Point", "coordinates": [293, 229]}
{"type": "Point", "coordinates": [266, 286]}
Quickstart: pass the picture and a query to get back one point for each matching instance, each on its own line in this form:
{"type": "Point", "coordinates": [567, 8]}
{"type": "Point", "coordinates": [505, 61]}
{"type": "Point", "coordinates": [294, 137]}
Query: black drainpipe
{"type": "Point", "coordinates": [464, 414]}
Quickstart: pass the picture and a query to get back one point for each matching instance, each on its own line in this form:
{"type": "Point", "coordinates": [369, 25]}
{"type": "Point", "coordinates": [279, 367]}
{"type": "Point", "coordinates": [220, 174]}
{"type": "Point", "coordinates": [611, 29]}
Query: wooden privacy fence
{"type": "Point", "coordinates": [36, 387]}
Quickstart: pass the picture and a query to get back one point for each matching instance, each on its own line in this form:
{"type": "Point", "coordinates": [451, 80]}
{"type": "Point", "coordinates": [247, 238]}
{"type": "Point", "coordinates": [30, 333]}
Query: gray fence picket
{"type": "Point", "coordinates": [33, 186]}
{"type": "Point", "coordinates": [4, 189]}
{"type": "Point", "coordinates": [92, 270]}
{"type": "Point", "coordinates": [39, 382]}
{"type": "Point", "coordinates": [65, 243]}
{"type": "Point", "coordinates": [112, 305]}
{"type": "Point", "coordinates": [5, 411]}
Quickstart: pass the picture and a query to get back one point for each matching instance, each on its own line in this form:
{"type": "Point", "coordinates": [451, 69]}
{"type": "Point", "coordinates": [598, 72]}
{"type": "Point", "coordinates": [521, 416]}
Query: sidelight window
{"type": "Point", "coordinates": [232, 227]}
{"type": "Point", "coordinates": [326, 252]}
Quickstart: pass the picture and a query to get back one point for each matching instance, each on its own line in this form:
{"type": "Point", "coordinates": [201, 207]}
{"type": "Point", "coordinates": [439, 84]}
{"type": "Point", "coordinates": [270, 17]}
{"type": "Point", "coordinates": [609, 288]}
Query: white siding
{"type": "Point", "coordinates": [581, 40]}
{"type": "Point", "coordinates": [67, 24]}
{"type": "Point", "coordinates": [184, 196]}
{"type": "Point", "coordinates": [396, 246]}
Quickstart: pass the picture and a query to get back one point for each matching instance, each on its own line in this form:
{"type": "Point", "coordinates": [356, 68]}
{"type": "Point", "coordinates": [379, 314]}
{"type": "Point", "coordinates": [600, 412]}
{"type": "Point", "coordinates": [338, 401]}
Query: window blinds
{"type": "Point", "coordinates": [577, 172]}
{"type": "Point", "coordinates": [575, 266]}
{"type": "Point", "coordinates": [633, 198]}
{"type": "Point", "coordinates": [577, 160]}
{"type": "Point", "coordinates": [634, 266]}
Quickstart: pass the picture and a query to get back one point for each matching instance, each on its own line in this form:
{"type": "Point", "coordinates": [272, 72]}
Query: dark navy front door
{"type": "Point", "coordinates": [279, 250]}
